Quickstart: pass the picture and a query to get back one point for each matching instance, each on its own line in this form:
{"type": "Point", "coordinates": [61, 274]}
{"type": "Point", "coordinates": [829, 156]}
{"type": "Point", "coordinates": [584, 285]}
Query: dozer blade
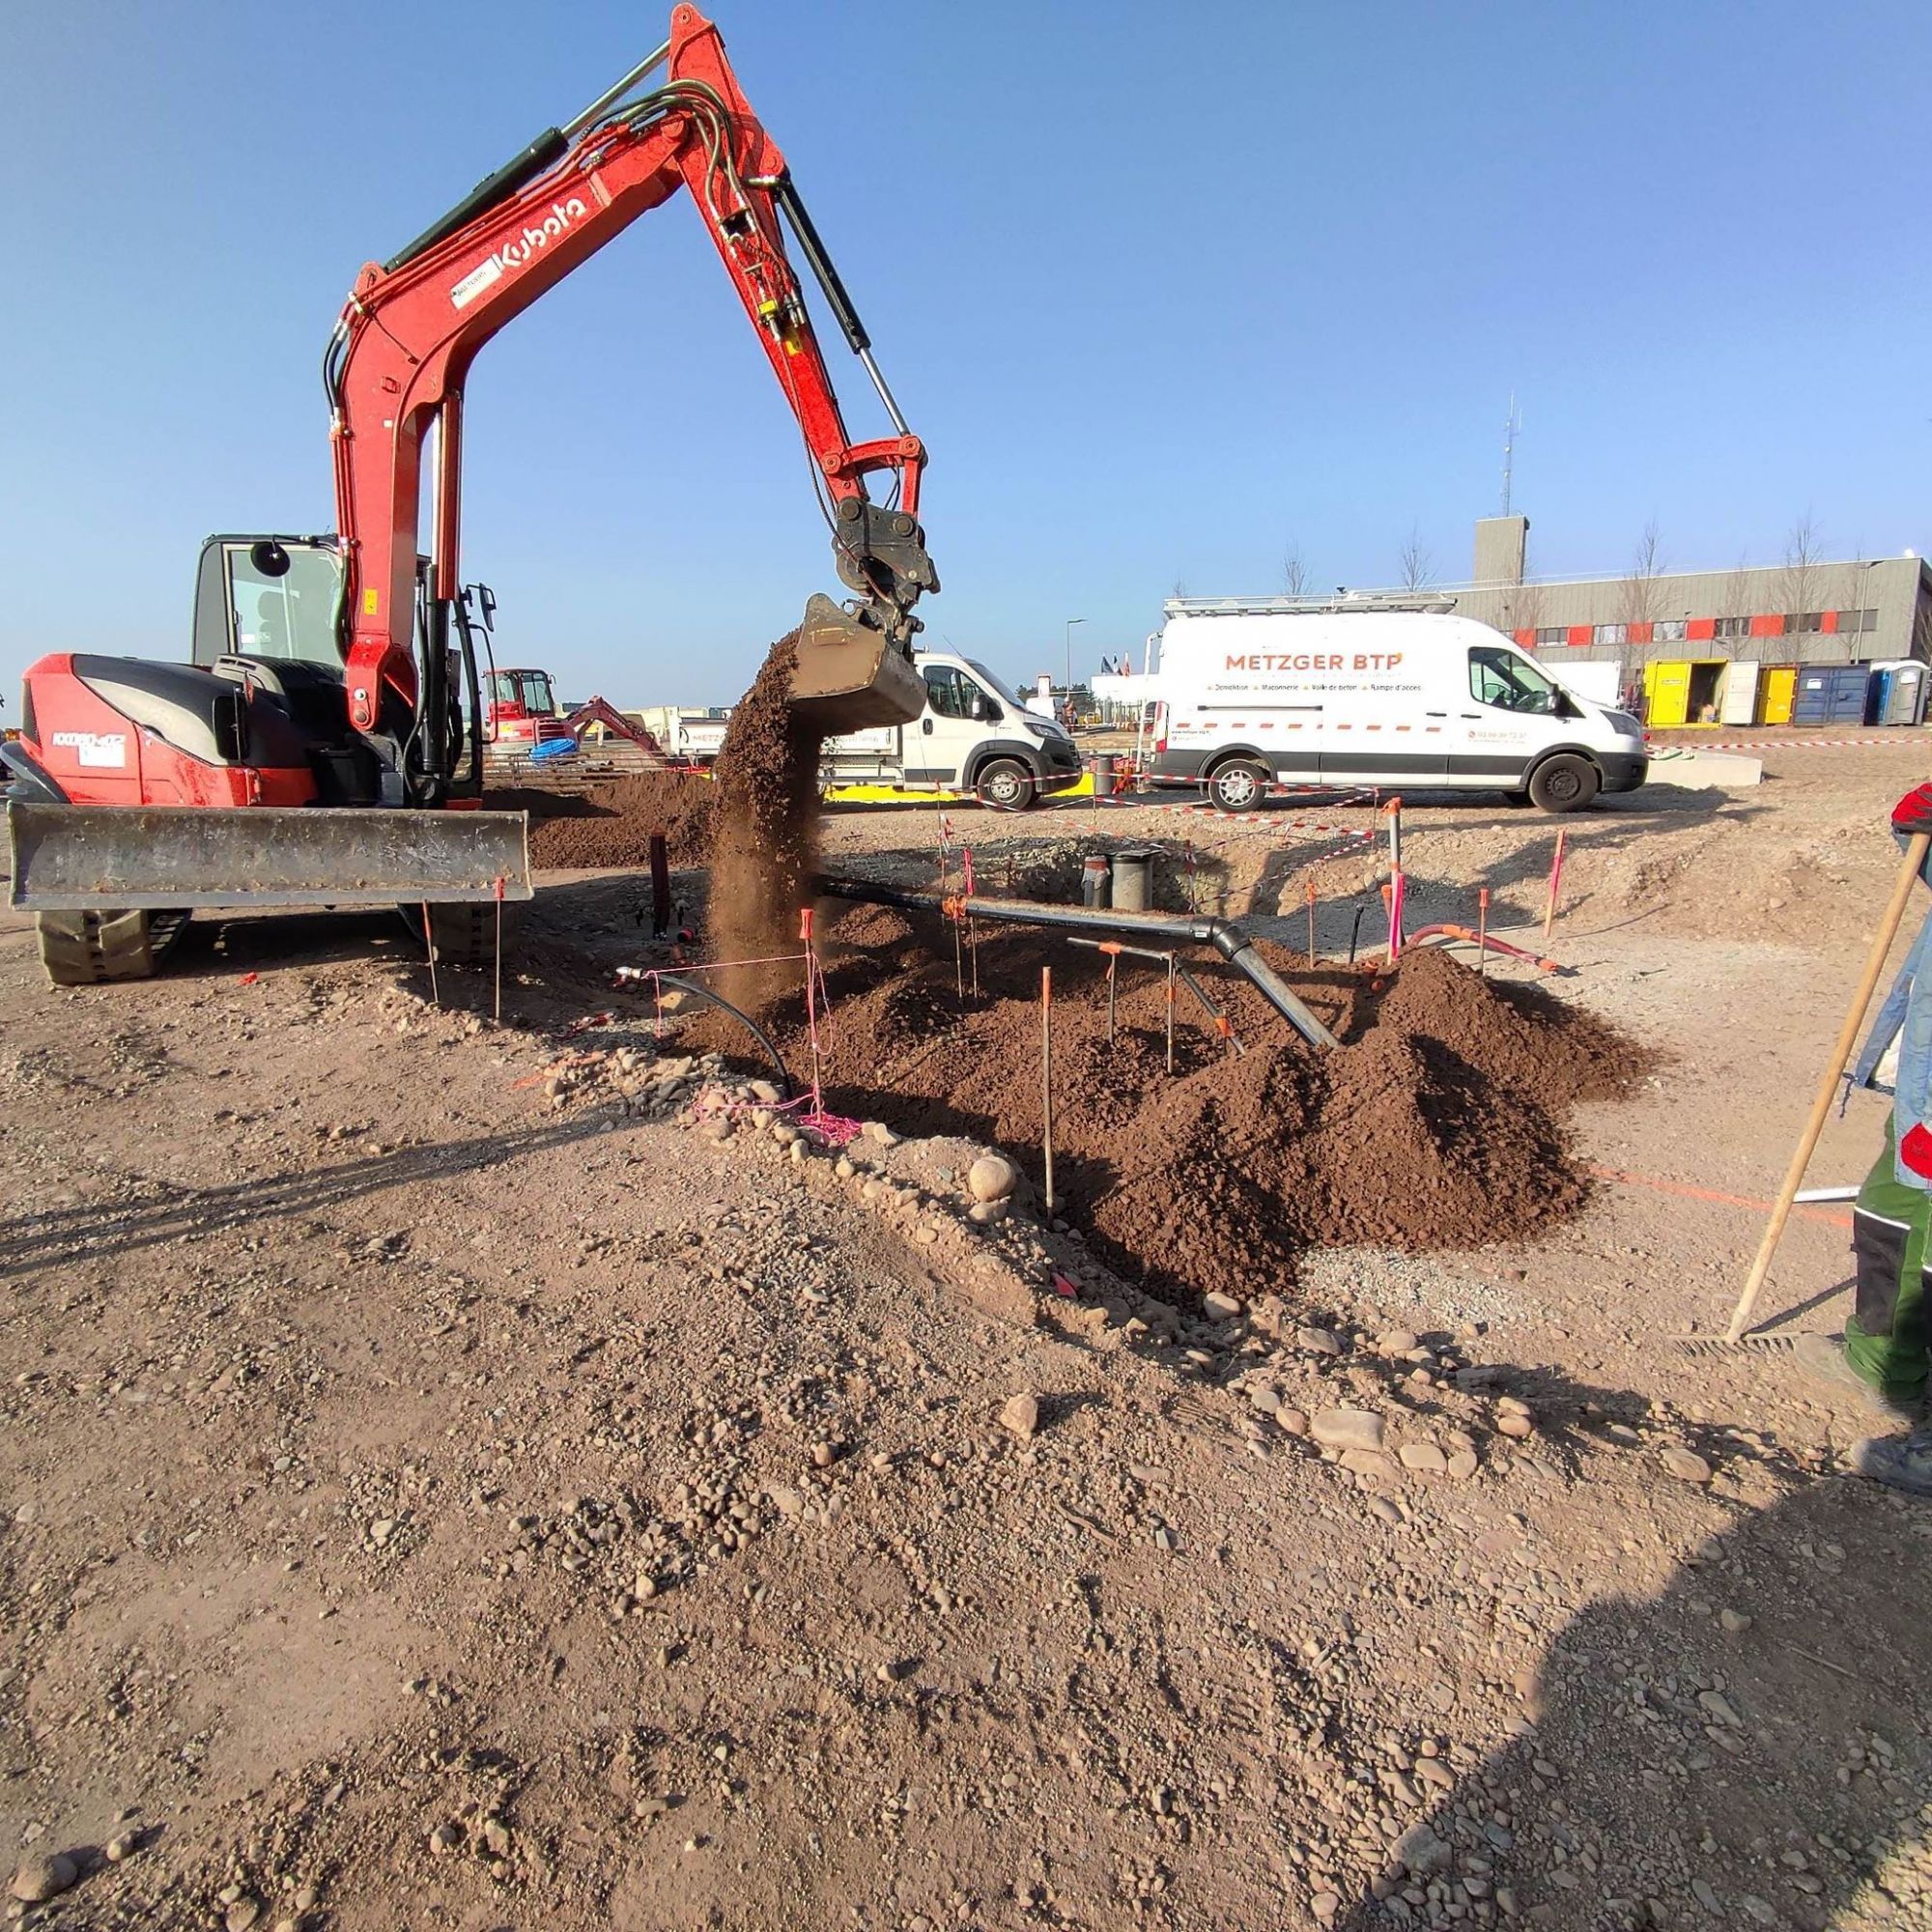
{"type": "Point", "coordinates": [850, 678]}
{"type": "Point", "coordinates": [84, 858]}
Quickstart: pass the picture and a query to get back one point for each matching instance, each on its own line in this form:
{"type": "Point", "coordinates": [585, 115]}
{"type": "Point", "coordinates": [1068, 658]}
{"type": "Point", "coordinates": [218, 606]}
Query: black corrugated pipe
{"type": "Point", "coordinates": [1228, 938]}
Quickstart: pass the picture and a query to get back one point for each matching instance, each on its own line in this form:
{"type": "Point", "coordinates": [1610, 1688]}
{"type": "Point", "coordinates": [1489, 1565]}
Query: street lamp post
{"type": "Point", "coordinates": [1070, 622]}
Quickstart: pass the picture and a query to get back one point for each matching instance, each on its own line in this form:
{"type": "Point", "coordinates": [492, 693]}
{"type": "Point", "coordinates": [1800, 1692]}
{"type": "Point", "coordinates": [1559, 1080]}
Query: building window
{"type": "Point", "coordinates": [1550, 633]}
{"type": "Point", "coordinates": [1805, 620]}
{"type": "Point", "coordinates": [1613, 633]}
{"type": "Point", "coordinates": [1857, 620]}
{"type": "Point", "coordinates": [1669, 629]}
{"type": "Point", "coordinates": [1733, 627]}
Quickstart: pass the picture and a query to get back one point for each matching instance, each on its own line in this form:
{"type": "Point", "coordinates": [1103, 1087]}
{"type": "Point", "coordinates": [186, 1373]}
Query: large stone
{"type": "Point", "coordinates": [1347, 1428]}
{"type": "Point", "coordinates": [1421, 1851]}
{"type": "Point", "coordinates": [1219, 1307]}
{"type": "Point", "coordinates": [39, 1880]}
{"type": "Point", "coordinates": [991, 1177]}
{"type": "Point", "coordinates": [1686, 1465]}
{"type": "Point", "coordinates": [1021, 1415]}
{"type": "Point", "coordinates": [1424, 1458]}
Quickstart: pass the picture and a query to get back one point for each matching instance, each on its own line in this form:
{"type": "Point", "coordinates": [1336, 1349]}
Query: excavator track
{"type": "Point", "coordinates": [89, 949]}
{"type": "Point", "coordinates": [462, 934]}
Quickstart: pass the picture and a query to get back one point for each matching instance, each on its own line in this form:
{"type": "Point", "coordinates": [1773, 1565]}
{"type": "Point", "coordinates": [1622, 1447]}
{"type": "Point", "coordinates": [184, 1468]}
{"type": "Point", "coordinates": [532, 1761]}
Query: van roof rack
{"type": "Point", "coordinates": [1434, 601]}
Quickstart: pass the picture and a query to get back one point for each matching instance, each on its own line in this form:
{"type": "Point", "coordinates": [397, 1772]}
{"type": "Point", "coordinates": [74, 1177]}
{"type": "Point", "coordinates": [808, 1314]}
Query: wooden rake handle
{"type": "Point", "coordinates": [1916, 852]}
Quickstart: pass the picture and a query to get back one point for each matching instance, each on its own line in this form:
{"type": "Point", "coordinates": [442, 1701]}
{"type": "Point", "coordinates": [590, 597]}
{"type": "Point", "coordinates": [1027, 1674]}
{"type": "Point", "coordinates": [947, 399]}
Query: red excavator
{"type": "Point", "coordinates": [331, 717]}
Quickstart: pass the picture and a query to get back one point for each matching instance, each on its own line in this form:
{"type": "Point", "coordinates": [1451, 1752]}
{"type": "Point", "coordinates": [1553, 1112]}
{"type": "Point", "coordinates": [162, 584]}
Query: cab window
{"type": "Point", "coordinates": [1503, 680]}
{"type": "Point", "coordinates": [528, 689]}
{"type": "Point", "coordinates": [950, 693]}
{"type": "Point", "coordinates": [288, 616]}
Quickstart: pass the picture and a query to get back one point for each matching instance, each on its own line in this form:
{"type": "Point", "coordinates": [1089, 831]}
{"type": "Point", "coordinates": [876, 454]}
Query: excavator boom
{"type": "Point", "coordinates": [403, 347]}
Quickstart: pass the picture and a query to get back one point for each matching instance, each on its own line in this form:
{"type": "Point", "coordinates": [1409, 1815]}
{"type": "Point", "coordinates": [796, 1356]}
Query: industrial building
{"type": "Point", "coordinates": [1750, 645]}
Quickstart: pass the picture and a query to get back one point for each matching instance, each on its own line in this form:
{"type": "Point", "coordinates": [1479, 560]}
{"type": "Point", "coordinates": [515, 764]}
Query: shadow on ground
{"type": "Point", "coordinates": [160, 1211]}
{"type": "Point", "coordinates": [1746, 1748]}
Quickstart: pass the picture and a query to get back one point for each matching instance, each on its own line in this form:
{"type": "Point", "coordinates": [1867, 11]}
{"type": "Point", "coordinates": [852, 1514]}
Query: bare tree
{"type": "Point", "coordinates": [1800, 583]}
{"type": "Point", "coordinates": [1737, 590]}
{"type": "Point", "coordinates": [1294, 571]}
{"type": "Point", "coordinates": [1856, 580]}
{"type": "Point", "coordinates": [1642, 594]}
{"type": "Point", "coordinates": [1521, 608]}
{"type": "Point", "coordinates": [1415, 564]}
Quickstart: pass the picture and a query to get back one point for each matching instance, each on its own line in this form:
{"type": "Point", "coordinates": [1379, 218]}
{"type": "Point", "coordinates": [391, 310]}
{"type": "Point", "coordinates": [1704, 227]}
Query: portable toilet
{"type": "Point", "coordinates": [1897, 694]}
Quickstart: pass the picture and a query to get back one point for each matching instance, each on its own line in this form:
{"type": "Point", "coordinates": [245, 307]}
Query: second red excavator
{"type": "Point", "coordinates": [332, 703]}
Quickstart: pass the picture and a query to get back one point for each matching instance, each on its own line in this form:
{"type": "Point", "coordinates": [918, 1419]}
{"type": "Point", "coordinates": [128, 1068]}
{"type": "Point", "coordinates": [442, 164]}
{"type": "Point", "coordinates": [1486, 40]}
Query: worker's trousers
{"type": "Point", "coordinates": [1890, 1329]}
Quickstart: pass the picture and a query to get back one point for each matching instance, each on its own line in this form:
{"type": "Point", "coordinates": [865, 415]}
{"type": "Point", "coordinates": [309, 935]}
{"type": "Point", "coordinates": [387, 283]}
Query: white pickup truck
{"type": "Point", "coordinates": [975, 735]}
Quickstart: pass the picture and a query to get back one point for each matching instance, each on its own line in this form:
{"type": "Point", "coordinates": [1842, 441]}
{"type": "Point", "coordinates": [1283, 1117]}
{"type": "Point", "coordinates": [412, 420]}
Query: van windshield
{"type": "Point", "coordinates": [1506, 681]}
{"type": "Point", "coordinates": [993, 683]}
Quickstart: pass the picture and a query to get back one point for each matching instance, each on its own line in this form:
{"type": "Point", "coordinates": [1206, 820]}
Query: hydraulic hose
{"type": "Point", "coordinates": [1229, 940]}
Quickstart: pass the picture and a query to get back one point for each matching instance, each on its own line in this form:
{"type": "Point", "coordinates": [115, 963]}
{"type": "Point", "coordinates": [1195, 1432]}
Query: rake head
{"type": "Point", "coordinates": [1745, 1345]}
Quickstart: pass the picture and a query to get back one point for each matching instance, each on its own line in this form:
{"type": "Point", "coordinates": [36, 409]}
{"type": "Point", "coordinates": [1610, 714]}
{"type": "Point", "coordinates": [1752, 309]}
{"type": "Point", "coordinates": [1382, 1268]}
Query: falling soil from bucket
{"type": "Point", "coordinates": [1440, 1122]}
{"type": "Point", "coordinates": [763, 835]}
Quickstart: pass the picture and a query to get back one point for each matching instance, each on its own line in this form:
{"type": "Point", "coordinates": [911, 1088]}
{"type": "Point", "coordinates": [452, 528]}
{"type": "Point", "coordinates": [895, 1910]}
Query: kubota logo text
{"type": "Point", "coordinates": [513, 254]}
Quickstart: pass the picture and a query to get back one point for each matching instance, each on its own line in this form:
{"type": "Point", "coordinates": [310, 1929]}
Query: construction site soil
{"type": "Point", "coordinates": [611, 824]}
{"type": "Point", "coordinates": [1440, 1122]}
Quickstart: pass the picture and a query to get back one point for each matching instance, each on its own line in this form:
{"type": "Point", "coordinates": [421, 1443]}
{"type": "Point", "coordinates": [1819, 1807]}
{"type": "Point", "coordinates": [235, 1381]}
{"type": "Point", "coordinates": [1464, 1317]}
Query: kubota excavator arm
{"type": "Point", "coordinates": [403, 347]}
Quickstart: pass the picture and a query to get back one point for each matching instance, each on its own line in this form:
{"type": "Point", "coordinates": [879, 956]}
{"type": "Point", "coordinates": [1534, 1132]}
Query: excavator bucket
{"type": "Point", "coordinates": [848, 676]}
{"type": "Point", "coordinates": [84, 858]}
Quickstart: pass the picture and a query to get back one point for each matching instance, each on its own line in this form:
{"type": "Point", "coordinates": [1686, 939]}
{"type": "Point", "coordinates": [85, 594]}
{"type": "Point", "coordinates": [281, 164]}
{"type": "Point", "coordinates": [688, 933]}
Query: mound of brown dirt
{"type": "Point", "coordinates": [764, 832]}
{"type": "Point", "coordinates": [1438, 1124]}
{"type": "Point", "coordinates": [611, 823]}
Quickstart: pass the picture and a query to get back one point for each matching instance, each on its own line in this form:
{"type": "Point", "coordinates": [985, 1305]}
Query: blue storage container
{"type": "Point", "coordinates": [1830, 694]}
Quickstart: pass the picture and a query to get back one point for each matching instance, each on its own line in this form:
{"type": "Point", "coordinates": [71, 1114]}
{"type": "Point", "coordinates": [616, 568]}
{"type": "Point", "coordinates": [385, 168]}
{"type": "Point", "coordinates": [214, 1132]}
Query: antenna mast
{"type": "Point", "coordinates": [1510, 424]}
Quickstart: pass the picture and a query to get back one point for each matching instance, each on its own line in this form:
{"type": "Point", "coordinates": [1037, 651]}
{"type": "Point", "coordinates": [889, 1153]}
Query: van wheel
{"type": "Point", "coordinates": [1238, 785]}
{"type": "Point", "coordinates": [1565, 782]}
{"type": "Point", "coordinates": [1005, 785]}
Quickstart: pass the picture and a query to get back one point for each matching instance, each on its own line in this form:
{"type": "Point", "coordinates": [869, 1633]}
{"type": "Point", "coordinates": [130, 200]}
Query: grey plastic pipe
{"type": "Point", "coordinates": [1229, 940]}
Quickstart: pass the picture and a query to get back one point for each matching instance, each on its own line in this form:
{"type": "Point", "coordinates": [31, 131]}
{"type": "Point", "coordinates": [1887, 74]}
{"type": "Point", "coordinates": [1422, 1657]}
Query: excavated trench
{"type": "Point", "coordinates": [1440, 1121]}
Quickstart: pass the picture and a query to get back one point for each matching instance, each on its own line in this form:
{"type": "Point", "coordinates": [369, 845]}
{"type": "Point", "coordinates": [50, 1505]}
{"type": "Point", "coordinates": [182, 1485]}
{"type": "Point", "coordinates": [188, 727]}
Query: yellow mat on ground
{"type": "Point", "coordinates": [888, 794]}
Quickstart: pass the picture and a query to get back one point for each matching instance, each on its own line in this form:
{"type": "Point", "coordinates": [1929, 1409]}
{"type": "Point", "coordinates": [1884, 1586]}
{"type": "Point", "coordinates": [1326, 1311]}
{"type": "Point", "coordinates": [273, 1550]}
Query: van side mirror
{"type": "Point", "coordinates": [985, 711]}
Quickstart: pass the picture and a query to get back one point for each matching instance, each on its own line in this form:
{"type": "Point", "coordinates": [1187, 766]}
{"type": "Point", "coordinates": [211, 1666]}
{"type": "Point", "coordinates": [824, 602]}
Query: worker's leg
{"type": "Point", "coordinates": [1887, 1333]}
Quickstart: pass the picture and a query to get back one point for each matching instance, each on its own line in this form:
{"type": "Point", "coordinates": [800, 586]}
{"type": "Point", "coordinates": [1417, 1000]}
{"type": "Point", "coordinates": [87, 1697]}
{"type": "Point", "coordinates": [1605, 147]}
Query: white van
{"type": "Point", "coordinates": [690, 734]}
{"type": "Point", "coordinates": [974, 735]}
{"type": "Point", "coordinates": [1252, 691]}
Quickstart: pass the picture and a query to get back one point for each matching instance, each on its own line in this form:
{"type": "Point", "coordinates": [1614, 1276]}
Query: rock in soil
{"type": "Point", "coordinates": [39, 1880]}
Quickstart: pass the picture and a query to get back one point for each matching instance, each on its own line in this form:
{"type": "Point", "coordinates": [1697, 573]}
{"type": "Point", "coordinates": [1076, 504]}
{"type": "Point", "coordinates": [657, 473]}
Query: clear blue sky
{"type": "Point", "coordinates": [1160, 286]}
